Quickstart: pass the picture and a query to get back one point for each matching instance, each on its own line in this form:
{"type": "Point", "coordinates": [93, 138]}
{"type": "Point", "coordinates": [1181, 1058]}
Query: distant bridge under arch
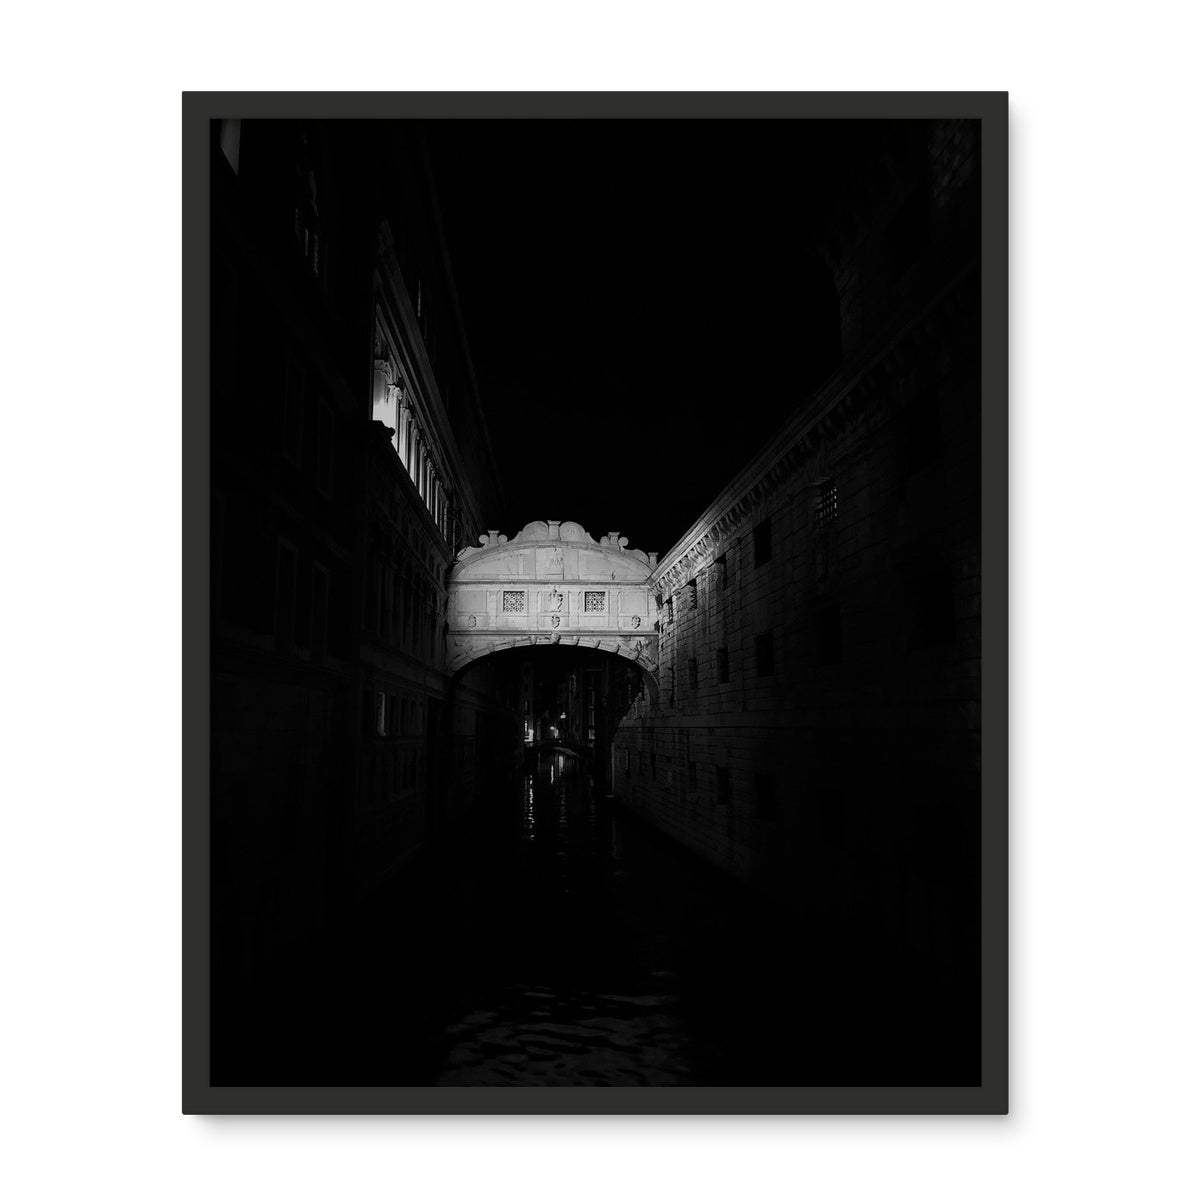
{"type": "Point", "coordinates": [552, 585]}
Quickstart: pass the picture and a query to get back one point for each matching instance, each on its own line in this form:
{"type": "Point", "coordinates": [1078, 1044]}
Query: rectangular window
{"type": "Point", "coordinates": [670, 609]}
{"type": "Point", "coordinates": [325, 449]}
{"type": "Point", "coordinates": [593, 602]}
{"type": "Point", "coordinates": [722, 781]}
{"type": "Point", "coordinates": [380, 714]}
{"type": "Point", "coordinates": [722, 665]}
{"type": "Point", "coordinates": [285, 596]}
{"type": "Point", "coordinates": [765, 807]}
{"type": "Point", "coordinates": [691, 594]}
{"type": "Point", "coordinates": [693, 673]}
{"type": "Point", "coordinates": [514, 602]}
{"type": "Point", "coordinates": [827, 505]}
{"type": "Point", "coordinates": [320, 612]}
{"type": "Point", "coordinates": [764, 653]}
{"type": "Point", "coordinates": [397, 634]}
{"type": "Point", "coordinates": [721, 567]}
{"type": "Point", "coordinates": [691, 775]}
{"type": "Point", "coordinates": [762, 542]}
{"type": "Point", "coordinates": [653, 766]}
{"type": "Point", "coordinates": [293, 410]}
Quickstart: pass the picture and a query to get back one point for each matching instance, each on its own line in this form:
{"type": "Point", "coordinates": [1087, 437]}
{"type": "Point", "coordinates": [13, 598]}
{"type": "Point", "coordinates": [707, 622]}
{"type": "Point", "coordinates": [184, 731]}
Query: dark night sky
{"type": "Point", "coordinates": [641, 310]}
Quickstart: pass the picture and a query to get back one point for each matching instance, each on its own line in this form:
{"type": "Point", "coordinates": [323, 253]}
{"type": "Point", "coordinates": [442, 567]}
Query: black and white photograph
{"type": "Point", "coordinates": [596, 578]}
{"type": "Point", "coordinates": [653, 653]}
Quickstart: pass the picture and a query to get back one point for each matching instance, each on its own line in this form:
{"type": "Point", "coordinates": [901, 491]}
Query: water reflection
{"type": "Point", "coordinates": [556, 941]}
{"type": "Point", "coordinates": [583, 996]}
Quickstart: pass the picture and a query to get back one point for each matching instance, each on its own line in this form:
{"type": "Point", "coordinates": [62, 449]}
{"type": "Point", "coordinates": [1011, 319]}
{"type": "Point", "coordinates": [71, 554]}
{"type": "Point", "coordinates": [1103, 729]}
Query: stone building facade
{"type": "Point", "coordinates": [815, 726]}
{"type": "Point", "coordinates": [349, 453]}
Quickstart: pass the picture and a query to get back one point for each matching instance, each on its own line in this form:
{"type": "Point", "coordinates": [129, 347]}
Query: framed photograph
{"type": "Point", "coordinates": [595, 603]}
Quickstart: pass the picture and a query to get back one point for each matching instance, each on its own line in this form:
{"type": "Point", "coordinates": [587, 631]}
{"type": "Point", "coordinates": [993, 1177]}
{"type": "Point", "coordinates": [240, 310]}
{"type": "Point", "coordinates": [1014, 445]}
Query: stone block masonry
{"type": "Point", "coordinates": [815, 730]}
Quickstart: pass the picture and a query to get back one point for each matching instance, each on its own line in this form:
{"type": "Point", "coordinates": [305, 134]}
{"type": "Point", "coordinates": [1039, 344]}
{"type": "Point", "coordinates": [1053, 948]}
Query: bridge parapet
{"type": "Point", "coordinates": [552, 584]}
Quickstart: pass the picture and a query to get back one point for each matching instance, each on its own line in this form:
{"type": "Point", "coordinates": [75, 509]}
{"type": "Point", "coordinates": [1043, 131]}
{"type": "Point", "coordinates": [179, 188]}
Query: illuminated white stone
{"type": "Point", "coordinates": [551, 584]}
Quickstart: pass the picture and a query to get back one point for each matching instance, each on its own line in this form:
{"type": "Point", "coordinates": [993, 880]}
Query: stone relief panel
{"type": "Point", "coordinates": [518, 588]}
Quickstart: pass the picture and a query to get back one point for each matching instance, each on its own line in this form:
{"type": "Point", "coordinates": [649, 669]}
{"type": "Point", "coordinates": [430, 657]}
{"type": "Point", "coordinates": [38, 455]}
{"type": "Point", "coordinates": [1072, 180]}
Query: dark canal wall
{"type": "Point", "coordinates": [814, 730]}
{"type": "Point", "coordinates": [558, 941]}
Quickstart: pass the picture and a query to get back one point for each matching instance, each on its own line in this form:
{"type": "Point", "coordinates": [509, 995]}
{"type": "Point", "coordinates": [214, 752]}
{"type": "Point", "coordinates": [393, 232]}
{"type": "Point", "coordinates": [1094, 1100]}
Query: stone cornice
{"type": "Point", "coordinates": [793, 455]}
{"type": "Point", "coordinates": [566, 532]}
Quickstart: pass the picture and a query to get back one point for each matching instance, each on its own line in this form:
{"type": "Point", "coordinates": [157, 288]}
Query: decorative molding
{"type": "Point", "coordinates": [566, 532]}
{"type": "Point", "coordinates": [800, 445]}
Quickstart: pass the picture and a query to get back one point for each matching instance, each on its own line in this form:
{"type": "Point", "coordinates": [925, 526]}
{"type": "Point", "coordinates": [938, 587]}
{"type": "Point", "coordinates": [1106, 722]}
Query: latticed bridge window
{"type": "Point", "coordinates": [514, 602]}
{"type": "Point", "coordinates": [593, 602]}
{"type": "Point", "coordinates": [827, 505]}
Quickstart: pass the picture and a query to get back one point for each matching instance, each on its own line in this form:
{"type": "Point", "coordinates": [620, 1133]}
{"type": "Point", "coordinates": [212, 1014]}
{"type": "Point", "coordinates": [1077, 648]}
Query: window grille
{"type": "Point", "coordinates": [722, 781]}
{"type": "Point", "coordinates": [593, 602]}
{"type": "Point", "coordinates": [827, 505]}
{"type": "Point", "coordinates": [514, 602]}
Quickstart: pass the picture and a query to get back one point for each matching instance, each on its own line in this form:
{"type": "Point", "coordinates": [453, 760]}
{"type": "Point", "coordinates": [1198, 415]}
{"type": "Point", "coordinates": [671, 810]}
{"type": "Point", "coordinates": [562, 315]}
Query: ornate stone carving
{"type": "Point", "coordinates": [569, 533]}
{"type": "Point", "coordinates": [559, 563]}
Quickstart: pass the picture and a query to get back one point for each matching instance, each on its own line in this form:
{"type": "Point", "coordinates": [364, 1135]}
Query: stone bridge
{"type": "Point", "coordinates": [552, 585]}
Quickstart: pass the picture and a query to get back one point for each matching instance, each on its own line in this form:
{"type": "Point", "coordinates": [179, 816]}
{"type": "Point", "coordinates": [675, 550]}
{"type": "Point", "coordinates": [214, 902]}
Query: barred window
{"type": "Point", "coordinates": [593, 602]}
{"type": "Point", "coordinates": [514, 602]}
{"type": "Point", "coordinates": [722, 780]}
{"type": "Point", "coordinates": [827, 505]}
{"type": "Point", "coordinates": [691, 593]}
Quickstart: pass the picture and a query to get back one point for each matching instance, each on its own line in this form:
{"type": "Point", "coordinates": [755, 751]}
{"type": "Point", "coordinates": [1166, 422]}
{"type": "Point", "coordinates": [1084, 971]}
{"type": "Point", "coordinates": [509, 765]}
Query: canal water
{"type": "Point", "coordinates": [558, 941]}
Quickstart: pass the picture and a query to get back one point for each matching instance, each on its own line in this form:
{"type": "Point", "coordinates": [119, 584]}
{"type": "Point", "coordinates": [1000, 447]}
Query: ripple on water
{"type": "Point", "coordinates": [592, 1040]}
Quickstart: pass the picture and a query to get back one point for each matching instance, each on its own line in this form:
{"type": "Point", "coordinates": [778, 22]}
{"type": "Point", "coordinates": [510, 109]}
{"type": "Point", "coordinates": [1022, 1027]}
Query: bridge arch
{"type": "Point", "coordinates": [552, 584]}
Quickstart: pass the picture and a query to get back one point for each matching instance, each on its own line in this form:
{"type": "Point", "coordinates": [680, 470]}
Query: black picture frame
{"type": "Point", "coordinates": [991, 109]}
